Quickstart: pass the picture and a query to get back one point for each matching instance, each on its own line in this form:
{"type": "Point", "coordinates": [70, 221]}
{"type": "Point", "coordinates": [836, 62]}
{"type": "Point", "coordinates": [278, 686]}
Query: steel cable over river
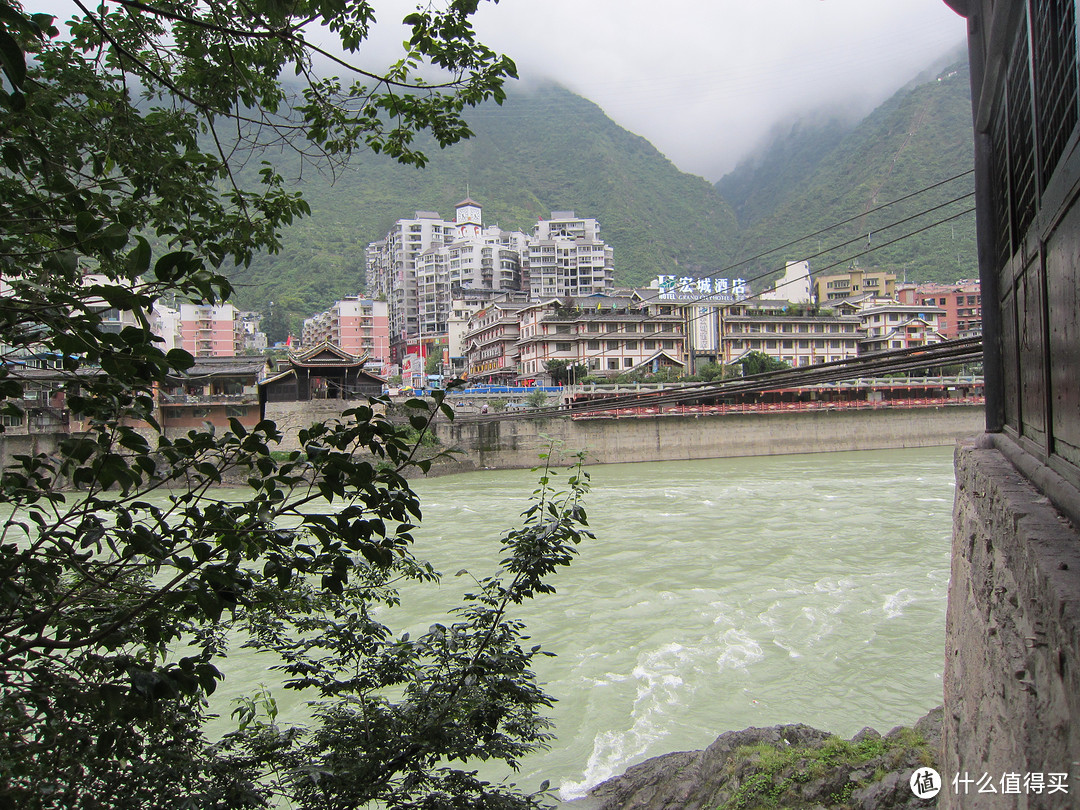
{"type": "Point", "coordinates": [902, 361]}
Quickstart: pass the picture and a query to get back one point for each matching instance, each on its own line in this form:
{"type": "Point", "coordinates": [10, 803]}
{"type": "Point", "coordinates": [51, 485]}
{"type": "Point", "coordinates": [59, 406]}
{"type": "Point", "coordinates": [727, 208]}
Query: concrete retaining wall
{"type": "Point", "coordinates": [1012, 656]}
{"type": "Point", "coordinates": [517, 443]}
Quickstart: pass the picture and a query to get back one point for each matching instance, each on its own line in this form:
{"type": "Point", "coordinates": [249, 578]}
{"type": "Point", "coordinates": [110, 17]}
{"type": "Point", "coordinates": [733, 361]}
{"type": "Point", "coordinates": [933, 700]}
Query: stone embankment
{"type": "Point", "coordinates": [795, 767]}
{"type": "Point", "coordinates": [508, 443]}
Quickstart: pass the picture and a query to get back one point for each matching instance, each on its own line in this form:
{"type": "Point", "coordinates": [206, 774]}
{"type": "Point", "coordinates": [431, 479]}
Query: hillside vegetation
{"type": "Point", "coordinates": [550, 150]}
{"type": "Point", "coordinates": [543, 151]}
{"type": "Point", "coordinates": [918, 138]}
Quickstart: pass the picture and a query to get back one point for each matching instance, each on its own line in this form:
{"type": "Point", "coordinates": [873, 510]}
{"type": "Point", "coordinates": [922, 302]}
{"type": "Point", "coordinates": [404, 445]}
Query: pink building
{"type": "Point", "coordinates": [961, 301]}
{"type": "Point", "coordinates": [210, 331]}
{"type": "Point", "coordinates": [357, 326]}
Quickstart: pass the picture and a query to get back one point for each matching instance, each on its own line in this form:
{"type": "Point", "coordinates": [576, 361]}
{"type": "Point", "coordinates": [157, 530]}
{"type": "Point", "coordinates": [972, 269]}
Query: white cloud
{"type": "Point", "coordinates": [704, 81]}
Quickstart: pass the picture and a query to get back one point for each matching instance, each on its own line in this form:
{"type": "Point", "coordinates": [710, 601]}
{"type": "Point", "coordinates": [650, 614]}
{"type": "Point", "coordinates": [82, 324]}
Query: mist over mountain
{"type": "Point", "coordinates": [548, 149]}
{"type": "Point", "coordinates": [872, 197]}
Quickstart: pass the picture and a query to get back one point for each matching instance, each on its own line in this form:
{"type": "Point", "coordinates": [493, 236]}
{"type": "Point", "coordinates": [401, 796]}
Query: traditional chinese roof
{"type": "Point", "coordinates": [674, 361]}
{"type": "Point", "coordinates": [326, 354]}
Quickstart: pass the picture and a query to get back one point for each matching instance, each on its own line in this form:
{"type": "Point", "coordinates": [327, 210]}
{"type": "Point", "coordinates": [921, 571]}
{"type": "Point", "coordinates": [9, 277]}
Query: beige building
{"type": "Point", "coordinates": [567, 257]}
{"type": "Point", "coordinates": [797, 336]}
{"type": "Point", "coordinates": [855, 281]}
{"type": "Point", "coordinates": [887, 325]}
{"type": "Point", "coordinates": [607, 335]}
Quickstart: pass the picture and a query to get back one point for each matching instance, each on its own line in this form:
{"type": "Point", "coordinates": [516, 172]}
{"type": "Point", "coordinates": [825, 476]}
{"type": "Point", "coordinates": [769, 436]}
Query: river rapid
{"type": "Point", "coordinates": [718, 594]}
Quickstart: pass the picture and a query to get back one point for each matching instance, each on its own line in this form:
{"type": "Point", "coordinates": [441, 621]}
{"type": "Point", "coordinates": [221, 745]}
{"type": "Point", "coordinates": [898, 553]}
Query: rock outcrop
{"type": "Point", "coordinates": [793, 766]}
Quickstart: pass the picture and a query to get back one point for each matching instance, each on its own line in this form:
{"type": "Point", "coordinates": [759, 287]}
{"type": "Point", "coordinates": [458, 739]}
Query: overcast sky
{"type": "Point", "coordinates": [704, 80]}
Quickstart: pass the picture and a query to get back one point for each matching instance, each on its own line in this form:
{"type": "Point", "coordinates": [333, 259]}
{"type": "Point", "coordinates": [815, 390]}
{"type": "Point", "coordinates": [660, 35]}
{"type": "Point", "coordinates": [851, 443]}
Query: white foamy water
{"type": "Point", "coordinates": [717, 595]}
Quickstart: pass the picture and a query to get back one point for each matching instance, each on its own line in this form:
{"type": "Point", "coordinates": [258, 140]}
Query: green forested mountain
{"type": "Point", "coordinates": [919, 137]}
{"type": "Point", "coordinates": [551, 150]}
{"type": "Point", "coordinates": [541, 151]}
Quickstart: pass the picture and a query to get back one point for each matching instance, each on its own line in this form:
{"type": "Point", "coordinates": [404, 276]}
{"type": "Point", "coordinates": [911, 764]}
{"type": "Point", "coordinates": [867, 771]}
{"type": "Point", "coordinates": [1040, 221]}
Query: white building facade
{"type": "Point", "coordinates": [567, 257]}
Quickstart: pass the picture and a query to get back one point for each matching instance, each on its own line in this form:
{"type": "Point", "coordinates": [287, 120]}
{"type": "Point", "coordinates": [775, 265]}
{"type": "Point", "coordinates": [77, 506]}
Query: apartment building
{"type": "Point", "coordinates": [421, 261]}
{"type": "Point", "coordinates": [358, 326]}
{"type": "Point", "coordinates": [609, 335]}
{"type": "Point", "coordinates": [392, 264]}
{"type": "Point", "coordinates": [211, 330]}
{"type": "Point", "coordinates": [961, 302]}
{"type": "Point", "coordinates": [854, 281]}
{"type": "Point", "coordinates": [567, 257]}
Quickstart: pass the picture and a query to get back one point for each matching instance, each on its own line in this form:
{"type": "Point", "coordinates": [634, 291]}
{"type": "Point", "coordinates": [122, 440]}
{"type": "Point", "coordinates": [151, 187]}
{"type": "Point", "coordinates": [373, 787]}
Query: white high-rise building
{"type": "Point", "coordinates": [567, 257]}
{"type": "Point", "coordinates": [392, 266]}
{"type": "Point", "coordinates": [422, 261]}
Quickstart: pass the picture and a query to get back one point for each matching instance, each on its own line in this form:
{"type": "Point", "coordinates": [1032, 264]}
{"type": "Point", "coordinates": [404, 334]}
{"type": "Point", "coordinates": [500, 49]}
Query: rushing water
{"type": "Point", "coordinates": [717, 595]}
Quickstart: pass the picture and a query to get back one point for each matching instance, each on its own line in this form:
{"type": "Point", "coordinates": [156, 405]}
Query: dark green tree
{"type": "Point", "coordinates": [759, 363]}
{"type": "Point", "coordinates": [564, 371]}
{"type": "Point", "coordinates": [125, 577]}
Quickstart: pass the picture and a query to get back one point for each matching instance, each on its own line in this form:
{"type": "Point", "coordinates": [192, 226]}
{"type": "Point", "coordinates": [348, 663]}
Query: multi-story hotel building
{"type": "Point", "coordinates": [357, 326]}
{"type": "Point", "coordinates": [607, 335]}
{"type": "Point", "coordinates": [797, 336]}
{"type": "Point", "coordinates": [491, 343]}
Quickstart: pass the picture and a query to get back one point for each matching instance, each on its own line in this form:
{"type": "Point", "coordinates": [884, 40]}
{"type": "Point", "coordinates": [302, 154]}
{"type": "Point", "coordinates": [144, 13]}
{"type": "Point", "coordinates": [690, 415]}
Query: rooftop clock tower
{"type": "Point", "coordinates": [469, 219]}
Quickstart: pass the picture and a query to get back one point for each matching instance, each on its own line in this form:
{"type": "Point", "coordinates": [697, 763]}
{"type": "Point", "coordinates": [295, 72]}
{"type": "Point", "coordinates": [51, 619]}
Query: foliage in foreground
{"type": "Point", "coordinates": [126, 577]}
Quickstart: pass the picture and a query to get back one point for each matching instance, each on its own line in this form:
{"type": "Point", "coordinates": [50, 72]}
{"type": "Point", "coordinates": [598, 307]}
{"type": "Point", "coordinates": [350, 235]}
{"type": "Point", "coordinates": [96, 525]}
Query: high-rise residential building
{"type": "Point", "coordinates": [357, 326]}
{"type": "Point", "coordinates": [392, 265]}
{"type": "Point", "coordinates": [211, 331]}
{"type": "Point", "coordinates": [567, 257]}
{"type": "Point", "coordinates": [422, 264]}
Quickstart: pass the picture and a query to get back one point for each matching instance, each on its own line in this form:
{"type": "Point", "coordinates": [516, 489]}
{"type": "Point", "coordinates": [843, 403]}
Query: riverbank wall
{"type": "Point", "coordinates": [517, 443]}
{"type": "Point", "coordinates": [1012, 646]}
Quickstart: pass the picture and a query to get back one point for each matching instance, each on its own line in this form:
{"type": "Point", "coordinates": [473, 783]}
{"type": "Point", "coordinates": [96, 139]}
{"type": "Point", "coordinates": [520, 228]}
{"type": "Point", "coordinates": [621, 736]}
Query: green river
{"type": "Point", "coordinates": [718, 594]}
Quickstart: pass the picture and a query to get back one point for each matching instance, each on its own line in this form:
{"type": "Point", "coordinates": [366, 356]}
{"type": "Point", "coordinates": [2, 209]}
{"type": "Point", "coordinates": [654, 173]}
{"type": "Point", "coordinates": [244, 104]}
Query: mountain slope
{"type": "Point", "coordinates": [919, 137]}
{"type": "Point", "coordinates": [541, 151]}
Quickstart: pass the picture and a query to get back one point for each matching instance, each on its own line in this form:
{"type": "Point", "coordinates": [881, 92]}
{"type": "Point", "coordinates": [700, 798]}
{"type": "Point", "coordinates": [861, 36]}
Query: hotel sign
{"type": "Point", "coordinates": [700, 290]}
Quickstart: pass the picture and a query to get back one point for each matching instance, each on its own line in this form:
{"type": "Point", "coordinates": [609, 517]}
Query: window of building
{"type": "Point", "coordinates": [564, 346]}
{"type": "Point", "coordinates": [770, 344]}
{"type": "Point", "coordinates": [594, 345]}
{"type": "Point", "coordinates": [594, 327]}
{"type": "Point", "coordinates": [613, 364]}
{"type": "Point", "coordinates": [628, 362]}
{"type": "Point", "coordinates": [650, 327]}
{"type": "Point", "coordinates": [786, 344]}
{"type": "Point", "coordinates": [668, 344]}
{"type": "Point", "coordinates": [631, 327]}
{"type": "Point", "coordinates": [650, 345]}
{"type": "Point", "coordinates": [612, 327]}
{"type": "Point", "coordinates": [12, 419]}
{"type": "Point", "coordinates": [630, 345]}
